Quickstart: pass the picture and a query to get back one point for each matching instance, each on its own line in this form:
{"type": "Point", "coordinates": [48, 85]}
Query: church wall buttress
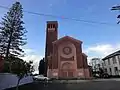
{"type": "Point", "coordinates": [79, 56]}
{"type": "Point", "coordinates": [55, 57]}
{"type": "Point", "coordinates": [85, 61]}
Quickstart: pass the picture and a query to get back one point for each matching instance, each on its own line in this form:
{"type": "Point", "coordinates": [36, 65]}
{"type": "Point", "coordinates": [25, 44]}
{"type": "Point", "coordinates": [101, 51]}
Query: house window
{"type": "Point", "coordinates": [118, 59]}
{"type": "Point", "coordinates": [114, 60]}
{"type": "Point", "coordinates": [116, 70]}
{"type": "Point", "coordinates": [110, 71]}
{"type": "Point", "coordinates": [109, 61]}
{"type": "Point", "coordinates": [104, 63]}
{"type": "Point", "coordinates": [105, 69]}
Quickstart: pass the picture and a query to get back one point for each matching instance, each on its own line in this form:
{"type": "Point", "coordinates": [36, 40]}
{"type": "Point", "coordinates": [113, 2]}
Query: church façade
{"type": "Point", "coordinates": [64, 57]}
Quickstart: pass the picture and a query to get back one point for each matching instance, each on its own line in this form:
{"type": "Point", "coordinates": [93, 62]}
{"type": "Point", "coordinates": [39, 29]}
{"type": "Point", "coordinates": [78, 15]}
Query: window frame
{"type": "Point", "coordinates": [114, 60]}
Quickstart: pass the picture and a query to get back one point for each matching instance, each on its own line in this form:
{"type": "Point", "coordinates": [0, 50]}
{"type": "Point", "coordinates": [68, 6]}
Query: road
{"type": "Point", "coordinates": [90, 85]}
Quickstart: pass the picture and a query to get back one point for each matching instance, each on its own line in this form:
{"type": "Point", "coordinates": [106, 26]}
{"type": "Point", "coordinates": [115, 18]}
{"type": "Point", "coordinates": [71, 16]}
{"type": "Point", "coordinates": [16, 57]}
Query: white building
{"type": "Point", "coordinates": [96, 64]}
{"type": "Point", "coordinates": [112, 63]}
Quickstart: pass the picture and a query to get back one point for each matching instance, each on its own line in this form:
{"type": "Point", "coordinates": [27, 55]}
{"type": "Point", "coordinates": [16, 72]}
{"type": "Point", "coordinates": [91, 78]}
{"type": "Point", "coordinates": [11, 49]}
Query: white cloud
{"type": "Point", "coordinates": [101, 50]}
{"type": "Point", "coordinates": [32, 56]}
{"type": "Point", "coordinates": [28, 50]}
{"type": "Point", "coordinates": [35, 58]}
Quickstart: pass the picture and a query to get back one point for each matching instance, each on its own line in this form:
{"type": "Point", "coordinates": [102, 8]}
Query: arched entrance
{"type": "Point", "coordinates": [67, 70]}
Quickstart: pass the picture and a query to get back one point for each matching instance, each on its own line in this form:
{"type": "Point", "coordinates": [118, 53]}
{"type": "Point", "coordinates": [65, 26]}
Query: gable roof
{"type": "Point", "coordinates": [67, 38]}
{"type": "Point", "coordinates": [111, 55]}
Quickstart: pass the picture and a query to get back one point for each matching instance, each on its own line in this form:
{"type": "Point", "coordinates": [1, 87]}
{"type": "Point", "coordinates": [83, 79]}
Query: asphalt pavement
{"type": "Point", "coordinates": [105, 84]}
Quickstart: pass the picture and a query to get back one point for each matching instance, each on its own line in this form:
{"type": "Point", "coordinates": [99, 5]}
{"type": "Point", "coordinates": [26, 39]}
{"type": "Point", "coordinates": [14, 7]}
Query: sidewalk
{"type": "Point", "coordinates": [111, 79]}
{"type": "Point", "coordinates": [80, 81]}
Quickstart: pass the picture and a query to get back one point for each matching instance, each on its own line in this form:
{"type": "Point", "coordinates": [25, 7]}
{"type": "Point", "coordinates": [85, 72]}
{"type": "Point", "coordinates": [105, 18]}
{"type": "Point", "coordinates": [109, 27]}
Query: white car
{"type": "Point", "coordinates": [40, 77]}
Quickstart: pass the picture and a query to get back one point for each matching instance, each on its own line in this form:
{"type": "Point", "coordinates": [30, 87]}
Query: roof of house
{"type": "Point", "coordinates": [67, 38]}
{"type": "Point", "coordinates": [111, 55]}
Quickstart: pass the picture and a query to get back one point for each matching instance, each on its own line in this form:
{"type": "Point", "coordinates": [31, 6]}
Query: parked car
{"type": "Point", "coordinates": [105, 75]}
{"type": "Point", "coordinates": [40, 77]}
{"type": "Point", "coordinates": [96, 75]}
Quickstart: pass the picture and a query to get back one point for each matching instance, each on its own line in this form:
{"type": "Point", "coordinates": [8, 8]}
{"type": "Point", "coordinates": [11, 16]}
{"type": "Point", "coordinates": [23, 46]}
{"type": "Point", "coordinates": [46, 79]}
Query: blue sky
{"type": "Point", "coordinates": [98, 39]}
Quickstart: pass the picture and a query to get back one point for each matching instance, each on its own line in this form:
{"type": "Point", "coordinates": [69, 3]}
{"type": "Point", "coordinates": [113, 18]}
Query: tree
{"type": "Point", "coordinates": [41, 66]}
{"type": "Point", "coordinates": [12, 32]}
{"type": "Point", "coordinates": [1, 63]}
{"type": "Point", "coordinates": [21, 68]}
{"type": "Point", "coordinates": [116, 8]}
{"type": "Point", "coordinates": [101, 72]}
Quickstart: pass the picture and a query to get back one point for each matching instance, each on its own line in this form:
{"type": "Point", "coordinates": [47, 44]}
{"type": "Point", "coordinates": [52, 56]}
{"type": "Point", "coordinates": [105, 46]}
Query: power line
{"type": "Point", "coordinates": [86, 21]}
{"type": "Point", "coordinates": [74, 19]}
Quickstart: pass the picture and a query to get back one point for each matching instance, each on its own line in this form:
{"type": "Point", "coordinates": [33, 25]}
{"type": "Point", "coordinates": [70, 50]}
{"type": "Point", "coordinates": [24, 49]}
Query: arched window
{"type": "Point", "coordinates": [67, 65]}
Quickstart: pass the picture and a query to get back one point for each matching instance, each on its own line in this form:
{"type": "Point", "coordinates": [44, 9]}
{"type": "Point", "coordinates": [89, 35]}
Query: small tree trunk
{"type": "Point", "coordinates": [10, 67]}
{"type": "Point", "coordinates": [7, 52]}
{"type": "Point", "coordinates": [8, 47]}
{"type": "Point", "coordinates": [18, 84]}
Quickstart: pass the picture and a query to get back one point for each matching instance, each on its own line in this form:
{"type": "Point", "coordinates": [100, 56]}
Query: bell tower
{"type": "Point", "coordinates": [51, 36]}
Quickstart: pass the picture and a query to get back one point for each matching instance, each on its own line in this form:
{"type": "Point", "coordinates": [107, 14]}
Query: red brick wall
{"type": "Point", "coordinates": [85, 65]}
{"type": "Point", "coordinates": [64, 59]}
{"type": "Point", "coordinates": [79, 55]}
{"type": "Point", "coordinates": [50, 37]}
{"type": "Point", "coordinates": [55, 57]}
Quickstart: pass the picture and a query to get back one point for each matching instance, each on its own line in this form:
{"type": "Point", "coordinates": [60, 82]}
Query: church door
{"type": "Point", "coordinates": [67, 70]}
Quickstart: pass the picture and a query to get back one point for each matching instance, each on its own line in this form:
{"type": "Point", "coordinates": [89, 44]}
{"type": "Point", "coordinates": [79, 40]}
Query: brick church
{"type": "Point", "coordinates": [64, 57]}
